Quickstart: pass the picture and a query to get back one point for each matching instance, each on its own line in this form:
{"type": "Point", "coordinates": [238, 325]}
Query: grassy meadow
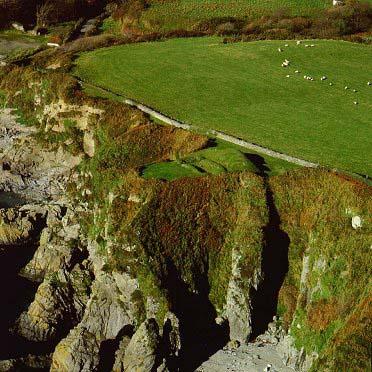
{"type": "Point", "coordinates": [242, 89]}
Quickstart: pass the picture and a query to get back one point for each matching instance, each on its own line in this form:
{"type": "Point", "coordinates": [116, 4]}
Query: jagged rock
{"type": "Point", "coordinates": [105, 316]}
{"type": "Point", "coordinates": [34, 171]}
{"type": "Point", "coordinates": [171, 335]}
{"type": "Point", "coordinates": [78, 352]}
{"type": "Point", "coordinates": [30, 362]}
{"type": "Point", "coordinates": [238, 304]}
{"type": "Point", "coordinates": [56, 247]}
{"type": "Point", "coordinates": [58, 305]}
{"type": "Point", "coordinates": [142, 352]}
{"type": "Point", "coordinates": [20, 222]}
{"type": "Point", "coordinates": [294, 358]}
{"type": "Point", "coordinates": [119, 355]}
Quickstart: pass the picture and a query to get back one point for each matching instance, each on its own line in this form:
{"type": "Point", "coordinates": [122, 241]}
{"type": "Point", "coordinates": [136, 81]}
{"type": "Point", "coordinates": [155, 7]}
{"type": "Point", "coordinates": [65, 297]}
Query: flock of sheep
{"type": "Point", "coordinates": [286, 63]}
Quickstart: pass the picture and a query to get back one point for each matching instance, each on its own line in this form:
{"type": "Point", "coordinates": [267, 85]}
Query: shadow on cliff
{"type": "Point", "coordinates": [17, 293]}
{"type": "Point", "coordinates": [201, 337]}
{"type": "Point", "coordinates": [274, 259]}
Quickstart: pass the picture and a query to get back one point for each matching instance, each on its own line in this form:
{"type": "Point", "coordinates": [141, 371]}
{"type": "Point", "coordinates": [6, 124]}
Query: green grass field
{"type": "Point", "coordinates": [184, 14]}
{"type": "Point", "coordinates": [214, 160]}
{"type": "Point", "coordinates": [242, 89]}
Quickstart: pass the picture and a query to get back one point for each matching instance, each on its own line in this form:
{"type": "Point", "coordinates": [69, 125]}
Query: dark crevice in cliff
{"type": "Point", "coordinates": [274, 264]}
{"type": "Point", "coordinates": [109, 347]}
{"type": "Point", "coordinates": [201, 337]}
{"type": "Point", "coordinates": [17, 294]}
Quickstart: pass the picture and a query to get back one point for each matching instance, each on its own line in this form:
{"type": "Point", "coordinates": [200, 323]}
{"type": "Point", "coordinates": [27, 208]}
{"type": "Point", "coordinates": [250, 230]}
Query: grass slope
{"type": "Point", "coordinates": [167, 15]}
{"type": "Point", "coordinates": [220, 158]}
{"type": "Point", "coordinates": [242, 89]}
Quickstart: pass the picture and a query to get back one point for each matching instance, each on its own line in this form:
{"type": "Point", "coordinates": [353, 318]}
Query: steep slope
{"type": "Point", "coordinates": [134, 273]}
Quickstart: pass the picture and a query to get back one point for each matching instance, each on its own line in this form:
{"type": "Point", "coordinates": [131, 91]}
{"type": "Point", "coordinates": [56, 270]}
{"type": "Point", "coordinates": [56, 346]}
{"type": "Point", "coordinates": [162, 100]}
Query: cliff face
{"type": "Point", "coordinates": [329, 268]}
{"type": "Point", "coordinates": [128, 274]}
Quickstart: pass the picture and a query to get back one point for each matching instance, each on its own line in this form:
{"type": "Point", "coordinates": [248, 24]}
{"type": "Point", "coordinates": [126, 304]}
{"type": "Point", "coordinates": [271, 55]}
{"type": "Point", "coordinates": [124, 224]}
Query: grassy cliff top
{"type": "Point", "coordinates": [242, 89]}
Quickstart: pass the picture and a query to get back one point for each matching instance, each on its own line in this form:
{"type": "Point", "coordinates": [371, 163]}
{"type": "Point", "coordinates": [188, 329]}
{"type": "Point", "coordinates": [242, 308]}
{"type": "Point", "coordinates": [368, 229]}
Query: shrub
{"type": "Point", "coordinates": [90, 43]}
{"type": "Point", "coordinates": [227, 28]}
{"type": "Point", "coordinates": [128, 14]}
{"type": "Point", "coordinates": [220, 25]}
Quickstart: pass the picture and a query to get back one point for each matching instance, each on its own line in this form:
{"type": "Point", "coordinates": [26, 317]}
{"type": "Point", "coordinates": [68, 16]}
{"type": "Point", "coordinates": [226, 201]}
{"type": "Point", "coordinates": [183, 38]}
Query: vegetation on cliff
{"type": "Point", "coordinates": [329, 267]}
{"type": "Point", "coordinates": [197, 246]}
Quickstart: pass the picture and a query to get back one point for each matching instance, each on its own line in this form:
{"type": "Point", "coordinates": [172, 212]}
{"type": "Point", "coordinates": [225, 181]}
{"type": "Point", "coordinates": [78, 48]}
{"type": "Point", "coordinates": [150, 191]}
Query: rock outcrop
{"type": "Point", "coordinates": [142, 352]}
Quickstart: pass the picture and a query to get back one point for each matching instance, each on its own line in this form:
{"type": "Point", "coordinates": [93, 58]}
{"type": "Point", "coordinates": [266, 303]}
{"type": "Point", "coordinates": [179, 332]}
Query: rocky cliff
{"type": "Point", "coordinates": [115, 272]}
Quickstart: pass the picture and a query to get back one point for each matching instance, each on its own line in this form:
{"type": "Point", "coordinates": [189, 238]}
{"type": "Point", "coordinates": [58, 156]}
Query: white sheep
{"type": "Point", "coordinates": [330, 84]}
{"type": "Point", "coordinates": [298, 42]}
{"type": "Point", "coordinates": [280, 49]}
{"type": "Point", "coordinates": [286, 45]}
{"type": "Point", "coordinates": [354, 90]}
{"type": "Point", "coordinates": [346, 88]}
{"type": "Point", "coordinates": [323, 78]}
{"type": "Point", "coordinates": [355, 102]}
{"type": "Point", "coordinates": [369, 83]}
{"type": "Point", "coordinates": [297, 72]}
{"type": "Point", "coordinates": [288, 76]}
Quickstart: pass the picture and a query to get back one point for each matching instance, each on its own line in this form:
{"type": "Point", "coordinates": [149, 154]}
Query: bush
{"type": "Point", "coordinates": [128, 15]}
{"type": "Point", "coordinates": [352, 18]}
{"type": "Point", "coordinates": [221, 25]}
{"type": "Point", "coordinates": [227, 28]}
{"type": "Point", "coordinates": [90, 43]}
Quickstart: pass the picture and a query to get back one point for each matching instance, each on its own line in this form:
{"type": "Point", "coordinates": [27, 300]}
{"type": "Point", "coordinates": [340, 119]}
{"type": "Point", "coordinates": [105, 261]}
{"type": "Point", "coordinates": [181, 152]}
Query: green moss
{"type": "Point", "coordinates": [149, 286]}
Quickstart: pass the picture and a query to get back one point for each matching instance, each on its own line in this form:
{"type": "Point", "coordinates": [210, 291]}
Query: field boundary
{"type": "Point", "coordinates": [226, 137]}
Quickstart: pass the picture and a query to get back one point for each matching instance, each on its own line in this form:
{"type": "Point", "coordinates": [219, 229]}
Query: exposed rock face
{"type": "Point", "coordinates": [105, 316]}
{"type": "Point", "coordinates": [58, 246]}
{"type": "Point", "coordinates": [296, 359]}
{"type": "Point", "coordinates": [119, 355]}
{"type": "Point", "coordinates": [142, 353]}
{"type": "Point", "coordinates": [29, 169]}
{"type": "Point", "coordinates": [238, 306]}
{"type": "Point", "coordinates": [58, 306]}
{"type": "Point", "coordinates": [89, 144]}
{"type": "Point", "coordinates": [123, 256]}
